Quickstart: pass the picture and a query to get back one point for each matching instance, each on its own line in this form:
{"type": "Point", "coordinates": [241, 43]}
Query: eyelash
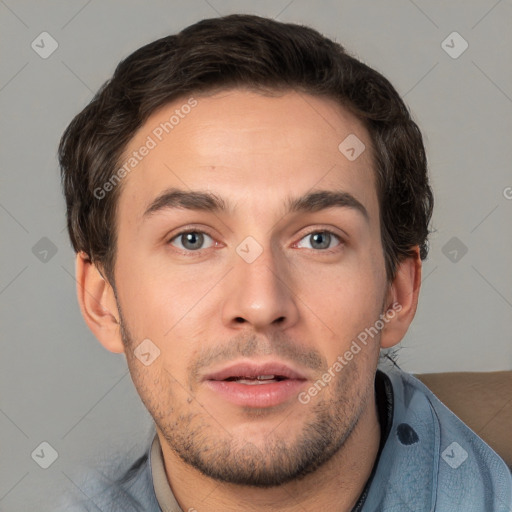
{"type": "Point", "coordinates": [200, 251]}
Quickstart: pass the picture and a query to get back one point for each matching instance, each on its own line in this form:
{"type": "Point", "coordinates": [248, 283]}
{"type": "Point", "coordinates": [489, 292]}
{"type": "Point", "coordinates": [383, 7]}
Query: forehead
{"type": "Point", "coordinates": [246, 145]}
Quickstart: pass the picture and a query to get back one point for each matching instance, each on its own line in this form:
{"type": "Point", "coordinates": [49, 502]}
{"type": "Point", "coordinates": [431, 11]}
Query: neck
{"type": "Point", "coordinates": [335, 486]}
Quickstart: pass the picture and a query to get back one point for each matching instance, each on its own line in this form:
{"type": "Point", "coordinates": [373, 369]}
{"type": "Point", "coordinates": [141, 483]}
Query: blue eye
{"type": "Point", "coordinates": [320, 240]}
{"type": "Point", "coordinates": [191, 240]}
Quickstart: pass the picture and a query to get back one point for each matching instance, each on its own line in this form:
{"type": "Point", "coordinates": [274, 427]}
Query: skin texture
{"type": "Point", "coordinates": [295, 302]}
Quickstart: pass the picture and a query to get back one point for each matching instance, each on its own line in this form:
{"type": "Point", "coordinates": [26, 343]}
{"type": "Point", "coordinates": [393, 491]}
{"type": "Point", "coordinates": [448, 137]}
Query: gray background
{"type": "Point", "coordinates": [57, 383]}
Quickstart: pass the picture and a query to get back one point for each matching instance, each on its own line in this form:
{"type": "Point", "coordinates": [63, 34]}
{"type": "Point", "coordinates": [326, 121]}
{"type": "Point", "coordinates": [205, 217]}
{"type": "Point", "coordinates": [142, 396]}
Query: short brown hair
{"type": "Point", "coordinates": [250, 52]}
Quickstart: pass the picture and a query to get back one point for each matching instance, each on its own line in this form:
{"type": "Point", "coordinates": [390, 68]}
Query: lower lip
{"type": "Point", "coordinates": [256, 395]}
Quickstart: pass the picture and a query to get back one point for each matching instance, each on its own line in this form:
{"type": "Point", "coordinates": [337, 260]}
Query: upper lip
{"type": "Point", "coordinates": [253, 370]}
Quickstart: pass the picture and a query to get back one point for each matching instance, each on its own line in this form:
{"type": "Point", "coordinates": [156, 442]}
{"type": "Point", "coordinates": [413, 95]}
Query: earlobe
{"type": "Point", "coordinates": [98, 304]}
{"type": "Point", "coordinates": [402, 300]}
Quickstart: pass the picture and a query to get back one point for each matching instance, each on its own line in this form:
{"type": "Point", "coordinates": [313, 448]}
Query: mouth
{"type": "Point", "coordinates": [260, 379]}
{"type": "Point", "coordinates": [256, 385]}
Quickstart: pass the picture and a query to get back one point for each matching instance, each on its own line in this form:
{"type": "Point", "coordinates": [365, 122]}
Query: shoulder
{"type": "Point", "coordinates": [131, 491]}
{"type": "Point", "coordinates": [433, 461]}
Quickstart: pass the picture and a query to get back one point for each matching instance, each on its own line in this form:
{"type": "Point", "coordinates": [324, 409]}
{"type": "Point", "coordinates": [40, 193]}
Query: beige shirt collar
{"type": "Point", "coordinates": [163, 492]}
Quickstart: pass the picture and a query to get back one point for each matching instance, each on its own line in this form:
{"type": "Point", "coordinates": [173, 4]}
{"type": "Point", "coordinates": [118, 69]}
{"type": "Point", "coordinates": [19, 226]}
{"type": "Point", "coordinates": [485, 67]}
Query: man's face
{"type": "Point", "coordinates": [255, 288]}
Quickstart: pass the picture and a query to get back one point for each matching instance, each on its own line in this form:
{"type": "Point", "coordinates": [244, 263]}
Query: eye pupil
{"type": "Point", "coordinates": [323, 239]}
{"type": "Point", "coordinates": [192, 240]}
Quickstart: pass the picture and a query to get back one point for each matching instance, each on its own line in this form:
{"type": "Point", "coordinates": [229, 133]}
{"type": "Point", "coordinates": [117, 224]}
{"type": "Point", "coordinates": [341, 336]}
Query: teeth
{"type": "Point", "coordinates": [255, 382]}
{"type": "Point", "coordinates": [260, 379]}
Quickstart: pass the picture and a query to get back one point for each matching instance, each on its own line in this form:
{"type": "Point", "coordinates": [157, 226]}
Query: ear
{"type": "Point", "coordinates": [98, 304]}
{"type": "Point", "coordinates": [402, 300]}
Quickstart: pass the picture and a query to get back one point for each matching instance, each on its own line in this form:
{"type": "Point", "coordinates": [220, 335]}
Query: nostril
{"type": "Point", "coordinates": [239, 320]}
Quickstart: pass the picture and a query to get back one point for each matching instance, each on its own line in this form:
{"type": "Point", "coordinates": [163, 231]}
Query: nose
{"type": "Point", "coordinates": [259, 293]}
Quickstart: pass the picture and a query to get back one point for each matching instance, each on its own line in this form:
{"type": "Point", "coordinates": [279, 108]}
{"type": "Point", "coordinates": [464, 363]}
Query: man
{"type": "Point", "coordinates": [249, 206]}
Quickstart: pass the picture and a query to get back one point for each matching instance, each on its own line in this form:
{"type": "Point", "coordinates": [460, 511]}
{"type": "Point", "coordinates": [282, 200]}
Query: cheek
{"type": "Point", "coordinates": [172, 308]}
{"type": "Point", "coordinates": [152, 301]}
{"type": "Point", "coordinates": [346, 298]}
{"type": "Point", "coordinates": [350, 288]}
{"type": "Point", "coordinates": [156, 386]}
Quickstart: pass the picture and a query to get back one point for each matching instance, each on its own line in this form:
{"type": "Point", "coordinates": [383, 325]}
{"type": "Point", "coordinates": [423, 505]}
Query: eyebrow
{"type": "Point", "coordinates": [210, 202]}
